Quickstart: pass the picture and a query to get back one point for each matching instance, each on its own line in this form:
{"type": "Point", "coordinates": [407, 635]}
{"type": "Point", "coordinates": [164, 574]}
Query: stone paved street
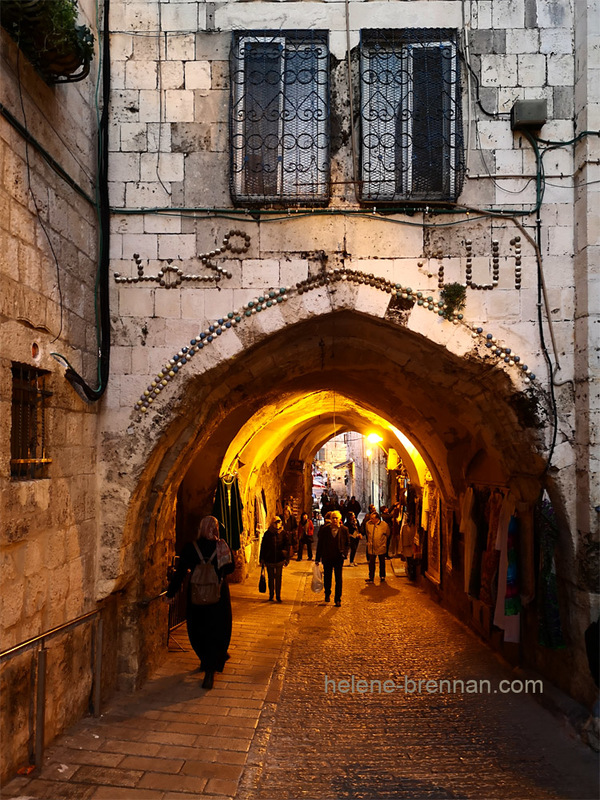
{"type": "Point", "coordinates": [269, 729]}
{"type": "Point", "coordinates": [399, 745]}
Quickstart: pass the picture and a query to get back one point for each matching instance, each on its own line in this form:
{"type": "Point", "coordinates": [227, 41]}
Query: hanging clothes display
{"type": "Point", "coordinates": [491, 557]}
{"type": "Point", "coordinates": [549, 626]}
{"type": "Point", "coordinates": [227, 509]}
{"type": "Point", "coordinates": [526, 553]}
{"type": "Point", "coordinates": [469, 532]}
{"type": "Point", "coordinates": [447, 538]}
{"type": "Point", "coordinates": [426, 500]}
{"type": "Point", "coordinates": [512, 600]}
{"type": "Point", "coordinates": [434, 554]}
{"type": "Point", "coordinates": [260, 515]}
{"type": "Point", "coordinates": [481, 497]}
{"type": "Point", "coordinates": [510, 624]}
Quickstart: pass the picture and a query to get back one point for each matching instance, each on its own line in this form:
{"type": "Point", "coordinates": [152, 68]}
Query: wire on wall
{"type": "Point", "coordinates": [102, 284]}
{"type": "Point", "coordinates": [35, 202]}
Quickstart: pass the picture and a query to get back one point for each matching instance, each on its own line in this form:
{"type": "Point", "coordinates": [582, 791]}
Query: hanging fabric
{"type": "Point", "coordinates": [549, 625]}
{"type": "Point", "coordinates": [526, 553]}
{"type": "Point", "coordinates": [510, 624]}
{"type": "Point", "coordinates": [260, 514]}
{"type": "Point", "coordinates": [481, 526]}
{"type": "Point", "coordinates": [491, 557]}
{"type": "Point", "coordinates": [227, 509]}
{"type": "Point", "coordinates": [469, 531]}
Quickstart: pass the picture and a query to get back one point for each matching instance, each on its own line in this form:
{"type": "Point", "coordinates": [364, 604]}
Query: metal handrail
{"type": "Point", "coordinates": [147, 600]}
{"type": "Point", "coordinates": [52, 632]}
{"type": "Point", "coordinates": [40, 640]}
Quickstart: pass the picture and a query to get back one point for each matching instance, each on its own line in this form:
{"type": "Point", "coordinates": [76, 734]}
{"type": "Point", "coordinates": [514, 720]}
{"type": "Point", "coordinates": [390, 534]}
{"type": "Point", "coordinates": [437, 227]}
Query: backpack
{"type": "Point", "coordinates": [205, 587]}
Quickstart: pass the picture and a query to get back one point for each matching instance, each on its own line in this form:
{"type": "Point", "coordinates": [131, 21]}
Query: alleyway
{"type": "Point", "coordinates": [269, 729]}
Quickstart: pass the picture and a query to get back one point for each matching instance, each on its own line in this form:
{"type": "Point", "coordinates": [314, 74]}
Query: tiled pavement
{"type": "Point", "coordinates": [269, 730]}
{"type": "Point", "coordinates": [173, 739]}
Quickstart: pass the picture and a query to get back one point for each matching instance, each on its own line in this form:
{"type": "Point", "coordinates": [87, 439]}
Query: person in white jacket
{"type": "Point", "coordinates": [377, 532]}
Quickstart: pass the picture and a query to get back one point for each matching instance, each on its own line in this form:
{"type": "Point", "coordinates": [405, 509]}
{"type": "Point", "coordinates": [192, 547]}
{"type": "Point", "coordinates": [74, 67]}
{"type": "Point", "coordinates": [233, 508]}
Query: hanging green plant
{"type": "Point", "coordinates": [47, 32]}
{"type": "Point", "coordinates": [454, 297]}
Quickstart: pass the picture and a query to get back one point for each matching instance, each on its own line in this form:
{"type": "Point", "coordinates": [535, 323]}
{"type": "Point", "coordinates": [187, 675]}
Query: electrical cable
{"type": "Point", "coordinates": [168, 192]}
{"type": "Point", "coordinates": [102, 297]}
{"type": "Point", "coordinates": [35, 203]}
{"type": "Point", "coordinates": [64, 143]}
{"type": "Point", "coordinates": [39, 148]}
{"type": "Point", "coordinates": [491, 114]}
{"type": "Point", "coordinates": [540, 288]}
{"type": "Point", "coordinates": [568, 141]}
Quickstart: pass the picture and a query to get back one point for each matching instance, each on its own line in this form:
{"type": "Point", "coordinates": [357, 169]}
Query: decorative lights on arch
{"type": "Point", "coordinates": [272, 298]}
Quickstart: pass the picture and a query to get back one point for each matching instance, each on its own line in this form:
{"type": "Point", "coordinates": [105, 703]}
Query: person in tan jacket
{"type": "Point", "coordinates": [377, 532]}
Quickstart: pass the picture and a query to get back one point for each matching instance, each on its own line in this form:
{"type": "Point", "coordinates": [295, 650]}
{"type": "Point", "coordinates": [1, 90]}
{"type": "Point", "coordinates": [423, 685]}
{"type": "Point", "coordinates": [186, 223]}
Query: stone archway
{"type": "Point", "coordinates": [431, 383]}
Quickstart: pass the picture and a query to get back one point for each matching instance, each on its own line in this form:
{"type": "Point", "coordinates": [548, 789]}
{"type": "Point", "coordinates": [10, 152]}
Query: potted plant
{"type": "Point", "coordinates": [47, 32]}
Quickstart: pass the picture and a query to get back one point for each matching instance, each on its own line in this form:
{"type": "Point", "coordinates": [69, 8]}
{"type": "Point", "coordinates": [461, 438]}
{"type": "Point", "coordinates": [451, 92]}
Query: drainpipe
{"type": "Point", "coordinates": [102, 285]}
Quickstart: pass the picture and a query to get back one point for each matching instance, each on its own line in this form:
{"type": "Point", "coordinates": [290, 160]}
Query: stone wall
{"type": "Point", "coordinates": [48, 260]}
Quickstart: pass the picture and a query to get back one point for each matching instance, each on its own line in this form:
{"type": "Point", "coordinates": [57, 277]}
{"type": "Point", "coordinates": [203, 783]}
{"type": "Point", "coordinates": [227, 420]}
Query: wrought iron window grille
{"type": "Point", "coordinates": [411, 142]}
{"type": "Point", "coordinates": [28, 455]}
{"type": "Point", "coordinates": [279, 117]}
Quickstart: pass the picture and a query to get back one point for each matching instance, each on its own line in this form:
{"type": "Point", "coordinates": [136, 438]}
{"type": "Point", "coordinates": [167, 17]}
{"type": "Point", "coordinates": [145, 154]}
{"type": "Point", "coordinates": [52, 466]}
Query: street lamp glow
{"type": "Point", "coordinates": [374, 438]}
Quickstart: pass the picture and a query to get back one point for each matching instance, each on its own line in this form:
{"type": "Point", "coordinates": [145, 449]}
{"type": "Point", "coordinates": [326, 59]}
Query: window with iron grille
{"type": "Point", "coordinates": [28, 458]}
{"type": "Point", "coordinates": [280, 117]}
{"type": "Point", "coordinates": [411, 120]}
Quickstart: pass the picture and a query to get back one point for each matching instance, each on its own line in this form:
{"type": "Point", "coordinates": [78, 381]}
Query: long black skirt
{"type": "Point", "coordinates": [209, 631]}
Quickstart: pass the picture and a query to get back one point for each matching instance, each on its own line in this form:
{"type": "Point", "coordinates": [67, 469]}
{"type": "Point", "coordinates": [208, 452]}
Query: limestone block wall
{"type": "Point", "coordinates": [48, 258]}
{"type": "Point", "coordinates": [170, 151]}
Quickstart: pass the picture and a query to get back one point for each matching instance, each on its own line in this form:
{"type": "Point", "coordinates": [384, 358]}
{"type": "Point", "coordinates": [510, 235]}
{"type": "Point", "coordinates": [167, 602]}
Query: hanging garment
{"type": "Point", "coordinates": [491, 557]}
{"type": "Point", "coordinates": [447, 539]}
{"type": "Point", "coordinates": [511, 625]}
{"type": "Point", "coordinates": [512, 601]}
{"type": "Point", "coordinates": [425, 507]}
{"type": "Point", "coordinates": [227, 509]}
{"type": "Point", "coordinates": [549, 626]}
{"type": "Point", "coordinates": [481, 525]}
{"type": "Point", "coordinates": [525, 553]}
{"type": "Point", "coordinates": [260, 516]}
{"type": "Point", "coordinates": [469, 532]}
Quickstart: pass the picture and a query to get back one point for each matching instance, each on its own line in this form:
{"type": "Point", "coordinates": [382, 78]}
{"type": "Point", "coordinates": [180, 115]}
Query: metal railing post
{"type": "Point", "coordinates": [98, 667]}
{"type": "Point", "coordinates": [40, 708]}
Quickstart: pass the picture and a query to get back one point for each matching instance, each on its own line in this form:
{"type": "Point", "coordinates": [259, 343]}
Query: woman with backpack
{"type": "Point", "coordinates": [208, 611]}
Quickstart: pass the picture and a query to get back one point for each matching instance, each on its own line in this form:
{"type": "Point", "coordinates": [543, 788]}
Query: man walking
{"type": "Point", "coordinates": [377, 533]}
{"type": "Point", "coordinates": [332, 549]}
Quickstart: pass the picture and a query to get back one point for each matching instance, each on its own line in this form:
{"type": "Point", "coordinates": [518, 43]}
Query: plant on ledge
{"type": "Point", "coordinates": [46, 31]}
{"type": "Point", "coordinates": [454, 296]}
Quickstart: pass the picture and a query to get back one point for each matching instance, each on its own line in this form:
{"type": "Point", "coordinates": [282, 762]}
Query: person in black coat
{"type": "Point", "coordinates": [332, 549]}
{"type": "Point", "coordinates": [208, 626]}
{"type": "Point", "coordinates": [275, 555]}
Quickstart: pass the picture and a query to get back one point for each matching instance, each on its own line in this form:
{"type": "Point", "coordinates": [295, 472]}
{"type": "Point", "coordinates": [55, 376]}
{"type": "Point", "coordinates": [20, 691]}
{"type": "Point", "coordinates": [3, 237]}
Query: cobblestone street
{"type": "Point", "coordinates": [320, 744]}
{"type": "Point", "coordinates": [270, 730]}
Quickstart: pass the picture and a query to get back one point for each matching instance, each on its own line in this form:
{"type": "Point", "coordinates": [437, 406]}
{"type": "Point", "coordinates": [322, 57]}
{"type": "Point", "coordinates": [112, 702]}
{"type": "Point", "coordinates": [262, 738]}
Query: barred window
{"type": "Point", "coordinates": [28, 458]}
{"type": "Point", "coordinates": [280, 117]}
{"type": "Point", "coordinates": [411, 121]}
